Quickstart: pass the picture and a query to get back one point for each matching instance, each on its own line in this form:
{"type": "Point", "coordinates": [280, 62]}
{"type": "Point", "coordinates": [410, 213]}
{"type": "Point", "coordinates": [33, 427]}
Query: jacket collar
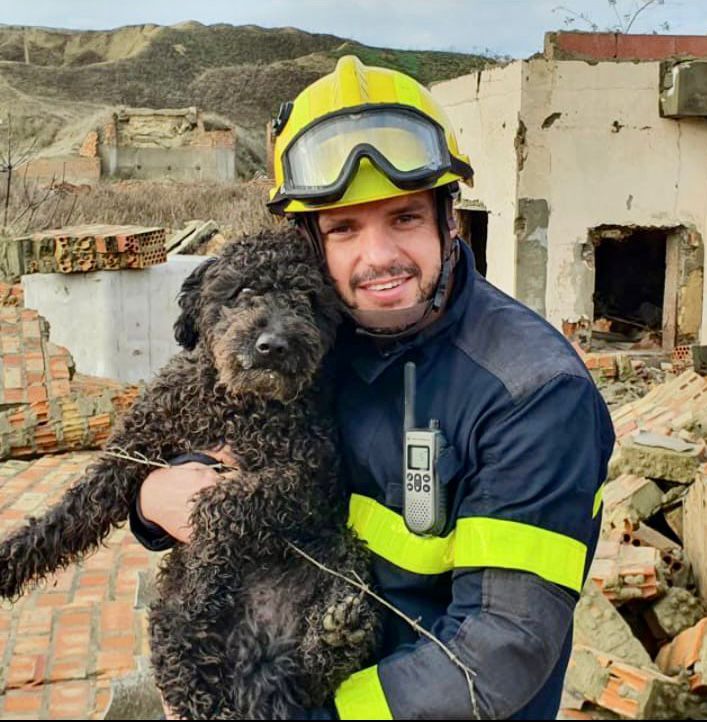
{"type": "Point", "coordinates": [369, 360]}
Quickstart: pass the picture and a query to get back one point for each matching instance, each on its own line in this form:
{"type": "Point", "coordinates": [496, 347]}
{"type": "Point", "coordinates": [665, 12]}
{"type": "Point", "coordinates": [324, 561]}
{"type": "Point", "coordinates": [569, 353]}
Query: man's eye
{"type": "Point", "coordinates": [408, 217]}
{"type": "Point", "coordinates": [339, 229]}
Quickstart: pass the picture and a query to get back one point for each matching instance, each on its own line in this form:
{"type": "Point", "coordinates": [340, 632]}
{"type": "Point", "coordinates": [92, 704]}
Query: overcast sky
{"type": "Point", "coordinates": [512, 27]}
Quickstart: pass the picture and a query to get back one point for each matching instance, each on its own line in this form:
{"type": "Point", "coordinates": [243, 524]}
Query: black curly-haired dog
{"type": "Point", "coordinates": [243, 627]}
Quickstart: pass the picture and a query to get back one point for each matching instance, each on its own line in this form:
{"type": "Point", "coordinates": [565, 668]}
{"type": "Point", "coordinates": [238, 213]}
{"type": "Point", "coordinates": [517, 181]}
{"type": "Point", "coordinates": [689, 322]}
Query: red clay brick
{"type": "Point", "coordinates": [53, 599]}
{"type": "Point", "coordinates": [31, 645]}
{"type": "Point", "coordinates": [116, 617]}
{"type": "Point", "coordinates": [69, 668]}
{"type": "Point", "coordinates": [26, 669]}
{"type": "Point", "coordinates": [69, 643]}
{"type": "Point", "coordinates": [109, 663]}
{"type": "Point", "coordinates": [69, 698]}
{"type": "Point", "coordinates": [122, 643]}
{"type": "Point", "coordinates": [22, 702]}
{"type": "Point", "coordinates": [75, 618]}
{"type": "Point", "coordinates": [694, 45]}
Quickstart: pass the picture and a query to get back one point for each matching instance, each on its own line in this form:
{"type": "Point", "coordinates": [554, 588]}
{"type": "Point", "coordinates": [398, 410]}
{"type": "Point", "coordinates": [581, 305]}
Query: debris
{"type": "Point", "coordinates": [45, 407]}
{"type": "Point", "coordinates": [687, 653]}
{"type": "Point", "coordinates": [624, 572]}
{"type": "Point", "coordinates": [629, 691]}
{"type": "Point", "coordinates": [694, 536]}
{"type": "Point", "coordinates": [675, 612]}
{"type": "Point", "coordinates": [630, 497]}
{"type": "Point", "coordinates": [194, 234]}
{"type": "Point", "coordinates": [649, 454]}
{"type": "Point", "coordinates": [598, 622]}
{"type": "Point", "coordinates": [83, 249]}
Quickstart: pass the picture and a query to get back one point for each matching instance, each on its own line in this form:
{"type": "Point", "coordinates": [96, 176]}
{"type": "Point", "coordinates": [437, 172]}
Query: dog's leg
{"type": "Point", "coordinates": [342, 623]}
{"type": "Point", "coordinates": [69, 530]}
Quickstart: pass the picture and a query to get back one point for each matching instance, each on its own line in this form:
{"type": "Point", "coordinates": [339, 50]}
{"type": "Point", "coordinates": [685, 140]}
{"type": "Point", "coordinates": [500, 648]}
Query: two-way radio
{"type": "Point", "coordinates": [424, 502]}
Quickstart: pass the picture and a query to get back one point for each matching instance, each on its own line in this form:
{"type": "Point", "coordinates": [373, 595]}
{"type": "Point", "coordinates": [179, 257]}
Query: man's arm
{"type": "Point", "coordinates": [523, 537]}
{"type": "Point", "coordinates": [160, 515]}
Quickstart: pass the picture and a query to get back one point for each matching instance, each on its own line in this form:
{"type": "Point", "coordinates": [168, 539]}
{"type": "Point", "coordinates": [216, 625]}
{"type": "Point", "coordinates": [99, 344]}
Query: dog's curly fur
{"type": "Point", "coordinates": [243, 626]}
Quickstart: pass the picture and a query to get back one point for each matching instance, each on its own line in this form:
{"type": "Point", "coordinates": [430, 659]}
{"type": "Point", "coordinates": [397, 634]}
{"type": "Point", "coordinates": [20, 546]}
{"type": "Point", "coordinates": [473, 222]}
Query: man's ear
{"type": "Point", "coordinates": [186, 330]}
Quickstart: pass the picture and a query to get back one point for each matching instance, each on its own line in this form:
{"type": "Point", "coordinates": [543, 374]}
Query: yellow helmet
{"type": "Point", "coordinates": [361, 134]}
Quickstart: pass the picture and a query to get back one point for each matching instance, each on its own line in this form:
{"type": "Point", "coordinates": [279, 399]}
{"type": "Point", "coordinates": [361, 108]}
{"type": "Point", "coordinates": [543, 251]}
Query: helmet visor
{"type": "Point", "coordinates": [407, 146]}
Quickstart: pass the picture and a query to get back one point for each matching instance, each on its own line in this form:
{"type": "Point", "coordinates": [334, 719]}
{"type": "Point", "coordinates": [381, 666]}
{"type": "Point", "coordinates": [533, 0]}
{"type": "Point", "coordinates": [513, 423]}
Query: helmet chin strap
{"type": "Point", "coordinates": [388, 325]}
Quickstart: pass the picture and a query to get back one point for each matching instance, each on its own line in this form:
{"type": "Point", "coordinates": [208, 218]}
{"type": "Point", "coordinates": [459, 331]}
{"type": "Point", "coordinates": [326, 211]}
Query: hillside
{"type": "Point", "coordinates": [54, 81]}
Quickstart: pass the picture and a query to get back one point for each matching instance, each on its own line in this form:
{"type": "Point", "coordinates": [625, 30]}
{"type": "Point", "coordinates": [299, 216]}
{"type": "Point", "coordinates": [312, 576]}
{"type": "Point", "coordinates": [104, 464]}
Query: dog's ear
{"type": "Point", "coordinates": [186, 330]}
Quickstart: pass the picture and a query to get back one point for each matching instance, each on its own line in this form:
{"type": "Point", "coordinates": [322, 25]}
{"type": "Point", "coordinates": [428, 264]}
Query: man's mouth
{"type": "Point", "coordinates": [386, 291]}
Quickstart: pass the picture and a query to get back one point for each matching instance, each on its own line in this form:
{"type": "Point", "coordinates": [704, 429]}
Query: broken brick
{"type": "Point", "coordinates": [630, 497]}
{"type": "Point", "coordinates": [625, 572]}
{"type": "Point", "coordinates": [687, 652]}
{"type": "Point", "coordinates": [629, 691]}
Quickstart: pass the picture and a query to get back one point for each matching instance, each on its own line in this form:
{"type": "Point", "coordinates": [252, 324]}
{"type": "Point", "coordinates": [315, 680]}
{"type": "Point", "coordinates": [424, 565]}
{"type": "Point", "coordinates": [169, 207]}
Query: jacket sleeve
{"type": "Point", "coordinates": [150, 535]}
{"type": "Point", "coordinates": [525, 532]}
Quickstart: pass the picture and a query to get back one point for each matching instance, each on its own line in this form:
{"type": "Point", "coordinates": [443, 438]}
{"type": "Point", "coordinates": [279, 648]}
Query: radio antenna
{"type": "Point", "coordinates": [409, 395]}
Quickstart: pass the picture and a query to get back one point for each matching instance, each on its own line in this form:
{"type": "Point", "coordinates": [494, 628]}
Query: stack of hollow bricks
{"type": "Point", "coordinates": [91, 248]}
{"type": "Point", "coordinates": [63, 644]}
{"type": "Point", "coordinates": [650, 573]}
{"type": "Point", "coordinates": [42, 408]}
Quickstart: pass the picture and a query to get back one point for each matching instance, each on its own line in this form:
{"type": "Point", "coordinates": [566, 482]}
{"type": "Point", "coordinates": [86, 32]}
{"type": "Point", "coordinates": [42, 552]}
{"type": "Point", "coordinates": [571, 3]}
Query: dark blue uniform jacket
{"type": "Point", "coordinates": [529, 438]}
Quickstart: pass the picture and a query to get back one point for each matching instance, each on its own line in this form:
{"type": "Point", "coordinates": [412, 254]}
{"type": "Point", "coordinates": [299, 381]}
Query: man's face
{"type": "Point", "coordinates": [384, 254]}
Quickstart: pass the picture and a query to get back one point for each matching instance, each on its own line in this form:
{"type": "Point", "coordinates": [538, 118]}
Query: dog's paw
{"type": "Point", "coordinates": [343, 623]}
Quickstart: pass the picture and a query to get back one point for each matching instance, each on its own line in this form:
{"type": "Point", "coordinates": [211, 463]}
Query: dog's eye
{"type": "Point", "coordinates": [246, 292]}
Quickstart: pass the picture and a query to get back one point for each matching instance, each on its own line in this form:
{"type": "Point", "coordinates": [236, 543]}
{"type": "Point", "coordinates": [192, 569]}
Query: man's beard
{"type": "Point", "coordinates": [392, 320]}
{"type": "Point", "coordinates": [424, 292]}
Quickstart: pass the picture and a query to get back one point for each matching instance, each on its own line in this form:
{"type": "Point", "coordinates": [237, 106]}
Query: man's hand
{"type": "Point", "coordinates": [167, 495]}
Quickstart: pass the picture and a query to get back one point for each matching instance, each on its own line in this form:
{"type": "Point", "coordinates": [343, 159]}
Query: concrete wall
{"type": "Point", "coordinates": [484, 109]}
{"type": "Point", "coordinates": [115, 323]}
{"type": "Point", "coordinates": [561, 147]}
{"type": "Point", "coordinates": [599, 153]}
{"type": "Point", "coordinates": [65, 168]}
{"type": "Point", "coordinates": [188, 164]}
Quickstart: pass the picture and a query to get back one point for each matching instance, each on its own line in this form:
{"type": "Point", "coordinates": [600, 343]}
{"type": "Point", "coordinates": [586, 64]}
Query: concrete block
{"type": "Point", "coordinates": [695, 530]}
{"type": "Point", "coordinates": [598, 623]}
{"type": "Point", "coordinates": [642, 455]}
{"type": "Point", "coordinates": [118, 324]}
{"type": "Point", "coordinates": [678, 610]}
{"type": "Point", "coordinates": [134, 697]}
{"type": "Point", "coordinates": [631, 498]}
{"type": "Point", "coordinates": [687, 653]}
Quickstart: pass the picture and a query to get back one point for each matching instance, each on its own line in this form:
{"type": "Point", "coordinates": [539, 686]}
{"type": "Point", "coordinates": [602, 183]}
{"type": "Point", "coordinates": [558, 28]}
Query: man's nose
{"type": "Point", "coordinates": [377, 246]}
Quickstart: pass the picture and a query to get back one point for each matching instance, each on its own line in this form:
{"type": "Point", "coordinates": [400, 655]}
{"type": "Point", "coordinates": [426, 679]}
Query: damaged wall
{"type": "Point", "coordinates": [486, 105]}
{"type": "Point", "coordinates": [169, 143]}
{"type": "Point", "coordinates": [594, 150]}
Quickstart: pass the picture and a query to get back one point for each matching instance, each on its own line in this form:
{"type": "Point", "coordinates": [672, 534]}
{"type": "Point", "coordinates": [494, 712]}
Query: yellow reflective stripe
{"type": "Point", "coordinates": [361, 696]}
{"type": "Point", "coordinates": [388, 537]}
{"type": "Point", "coordinates": [485, 542]}
{"type": "Point", "coordinates": [476, 542]}
{"type": "Point", "coordinates": [597, 501]}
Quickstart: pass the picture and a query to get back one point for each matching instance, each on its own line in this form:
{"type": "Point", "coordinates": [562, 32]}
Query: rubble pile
{"type": "Point", "coordinates": [83, 249]}
{"type": "Point", "coordinates": [45, 407]}
{"type": "Point", "coordinates": [640, 640]}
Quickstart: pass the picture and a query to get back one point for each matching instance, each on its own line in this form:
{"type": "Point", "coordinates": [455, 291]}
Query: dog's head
{"type": "Point", "coordinates": [263, 312]}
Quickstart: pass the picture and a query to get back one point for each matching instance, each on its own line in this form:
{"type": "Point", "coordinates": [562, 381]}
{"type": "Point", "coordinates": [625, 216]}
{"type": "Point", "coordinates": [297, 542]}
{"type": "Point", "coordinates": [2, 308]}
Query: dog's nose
{"type": "Point", "coordinates": [270, 344]}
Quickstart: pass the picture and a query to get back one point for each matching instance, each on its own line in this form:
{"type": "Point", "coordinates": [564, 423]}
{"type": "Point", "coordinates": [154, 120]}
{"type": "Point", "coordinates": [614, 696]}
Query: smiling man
{"type": "Point", "coordinates": [367, 165]}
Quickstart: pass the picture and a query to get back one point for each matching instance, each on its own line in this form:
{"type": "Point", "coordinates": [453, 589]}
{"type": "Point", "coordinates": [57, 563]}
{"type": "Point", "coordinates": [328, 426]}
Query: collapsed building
{"type": "Point", "coordinates": [592, 182]}
{"type": "Point", "coordinates": [181, 144]}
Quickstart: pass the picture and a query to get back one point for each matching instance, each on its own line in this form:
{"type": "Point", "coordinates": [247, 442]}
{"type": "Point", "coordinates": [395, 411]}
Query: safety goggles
{"type": "Point", "coordinates": [404, 144]}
